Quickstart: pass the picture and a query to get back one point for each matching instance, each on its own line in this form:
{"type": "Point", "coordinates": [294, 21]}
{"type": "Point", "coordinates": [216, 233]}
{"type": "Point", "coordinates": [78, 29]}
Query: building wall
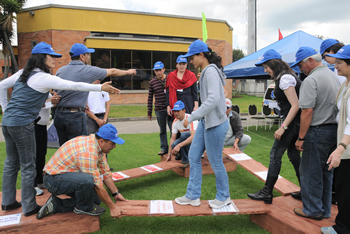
{"type": "Point", "coordinates": [61, 27]}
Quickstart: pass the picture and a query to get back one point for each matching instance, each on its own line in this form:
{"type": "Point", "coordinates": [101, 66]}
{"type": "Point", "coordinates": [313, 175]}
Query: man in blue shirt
{"type": "Point", "coordinates": [70, 118]}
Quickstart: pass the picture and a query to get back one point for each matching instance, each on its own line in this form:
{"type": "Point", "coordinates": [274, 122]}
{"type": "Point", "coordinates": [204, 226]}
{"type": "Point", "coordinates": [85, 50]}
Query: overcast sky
{"type": "Point", "coordinates": [316, 17]}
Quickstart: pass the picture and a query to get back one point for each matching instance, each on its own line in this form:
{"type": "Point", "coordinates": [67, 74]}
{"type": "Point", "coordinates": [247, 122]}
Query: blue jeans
{"type": "Point", "coordinates": [212, 140]}
{"type": "Point", "coordinates": [184, 150]}
{"type": "Point", "coordinates": [163, 119]}
{"type": "Point", "coordinates": [20, 155]}
{"type": "Point", "coordinates": [315, 178]}
{"type": "Point", "coordinates": [78, 185]}
{"type": "Point", "coordinates": [70, 124]}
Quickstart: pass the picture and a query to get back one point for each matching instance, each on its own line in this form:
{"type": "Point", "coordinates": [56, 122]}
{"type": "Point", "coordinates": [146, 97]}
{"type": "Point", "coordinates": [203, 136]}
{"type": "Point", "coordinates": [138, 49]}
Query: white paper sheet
{"type": "Point", "coordinates": [48, 105]}
{"type": "Point", "coordinates": [118, 176]}
{"type": "Point", "coordinates": [239, 157]}
{"type": "Point", "coordinates": [6, 220]}
{"type": "Point", "coordinates": [229, 208]}
{"type": "Point", "coordinates": [151, 168]}
{"type": "Point", "coordinates": [161, 207]}
{"type": "Point", "coordinates": [263, 175]}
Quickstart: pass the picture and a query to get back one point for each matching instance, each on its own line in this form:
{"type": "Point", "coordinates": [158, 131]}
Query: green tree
{"type": "Point", "coordinates": [237, 54]}
{"type": "Point", "coordinates": [9, 10]}
{"type": "Point", "coordinates": [319, 36]}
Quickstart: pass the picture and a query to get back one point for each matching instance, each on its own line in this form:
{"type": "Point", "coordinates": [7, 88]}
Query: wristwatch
{"type": "Point", "coordinates": [301, 139]}
{"type": "Point", "coordinates": [115, 194]}
{"type": "Point", "coordinates": [284, 127]}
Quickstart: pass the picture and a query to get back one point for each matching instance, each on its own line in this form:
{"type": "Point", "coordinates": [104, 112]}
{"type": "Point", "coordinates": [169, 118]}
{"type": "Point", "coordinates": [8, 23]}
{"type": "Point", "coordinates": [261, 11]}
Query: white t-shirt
{"type": "Point", "coordinates": [97, 101]}
{"type": "Point", "coordinates": [179, 127]}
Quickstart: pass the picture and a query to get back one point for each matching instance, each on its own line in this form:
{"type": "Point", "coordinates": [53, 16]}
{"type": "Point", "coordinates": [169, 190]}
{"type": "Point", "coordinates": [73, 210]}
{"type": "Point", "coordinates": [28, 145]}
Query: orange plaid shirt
{"type": "Point", "coordinates": [81, 154]}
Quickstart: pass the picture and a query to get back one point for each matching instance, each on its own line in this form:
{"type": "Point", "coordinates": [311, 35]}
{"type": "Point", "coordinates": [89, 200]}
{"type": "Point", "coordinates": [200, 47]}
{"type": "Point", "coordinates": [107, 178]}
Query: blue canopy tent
{"type": "Point", "coordinates": [287, 47]}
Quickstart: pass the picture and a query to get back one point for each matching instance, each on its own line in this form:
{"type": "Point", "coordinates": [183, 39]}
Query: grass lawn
{"type": "Point", "coordinates": [141, 149]}
{"type": "Point", "coordinates": [246, 100]}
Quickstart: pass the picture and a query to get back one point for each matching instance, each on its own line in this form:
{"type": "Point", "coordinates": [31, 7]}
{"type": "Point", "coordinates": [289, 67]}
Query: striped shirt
{"type": "Point", "coordinates": [157, 88]}
{"type": "Point", "coordinates": [81, 154]}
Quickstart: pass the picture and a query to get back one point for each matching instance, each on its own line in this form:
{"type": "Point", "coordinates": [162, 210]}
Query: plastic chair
{"type": "Point", "coordinates": [238, 111]}
{"type": "Point", "coordinates": [253, 111]}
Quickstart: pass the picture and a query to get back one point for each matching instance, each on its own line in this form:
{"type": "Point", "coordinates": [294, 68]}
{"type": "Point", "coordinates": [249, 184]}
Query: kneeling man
{"type": "Point", "coordinates": [75, 170]}
{"type": "Point", "coordinates": [183, 143]}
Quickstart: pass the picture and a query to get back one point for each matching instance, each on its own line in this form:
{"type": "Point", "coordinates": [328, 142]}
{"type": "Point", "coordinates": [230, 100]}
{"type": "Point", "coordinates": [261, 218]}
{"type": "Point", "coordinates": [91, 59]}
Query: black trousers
{"type": "Point", "coordinates": [342, 191]}
{"type": "Point", "coordinates": [41, 150]}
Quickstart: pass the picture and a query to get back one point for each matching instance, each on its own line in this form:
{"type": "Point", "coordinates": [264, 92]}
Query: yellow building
{"type": "Point", "coordinates": [122, 39]}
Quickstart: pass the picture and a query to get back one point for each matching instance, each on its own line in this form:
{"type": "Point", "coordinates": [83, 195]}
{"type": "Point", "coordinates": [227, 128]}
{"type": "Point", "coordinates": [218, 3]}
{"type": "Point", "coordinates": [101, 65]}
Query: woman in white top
{"type": "Point", "coordinates": [286, 91]}
{"type": "Point", "coordinates": [31, 89]}
{"type": "Point", "coordinates": [340, 158]}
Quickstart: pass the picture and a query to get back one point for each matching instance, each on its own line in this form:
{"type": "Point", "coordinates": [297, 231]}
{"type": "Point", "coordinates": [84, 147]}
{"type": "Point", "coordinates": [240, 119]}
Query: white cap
{"type": "Point", "coordinates": [228, 103]}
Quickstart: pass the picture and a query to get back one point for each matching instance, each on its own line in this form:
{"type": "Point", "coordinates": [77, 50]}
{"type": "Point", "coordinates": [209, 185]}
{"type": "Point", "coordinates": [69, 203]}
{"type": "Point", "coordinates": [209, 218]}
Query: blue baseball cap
{"type": "Point", "coordinates": [109, 132]}
{"type": "Point", "coordinates": [44, 48]}
{"type": "Point", "coordinates": [179, 105]}
{"type": "Point", "coordinates": [181, 59]}
{"type": "Point", "coordinates": [268, 55]}
{"type": "Point", "coordinates": [78, 49]}
{"type": "Point", "coordinates": [343, 53]}
{"type": "Point", "coordinates": [303, 53]}
{"type": "Point", "coordinates": [326, 44]}
{"type": "Point", "coordinates": [158, 65]}
{"type": "Point", "coordinates": [196, 47]}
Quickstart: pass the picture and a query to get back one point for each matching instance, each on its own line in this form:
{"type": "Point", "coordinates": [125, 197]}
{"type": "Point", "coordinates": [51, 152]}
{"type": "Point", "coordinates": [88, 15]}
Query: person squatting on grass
{"type": "Point", "coordinates": [76, 169]}
{"type": "Point", "coordinates": [30, 92]}
{"type": "Point", "coordinates": [287, 93]}
{"type": "Point", "coordinates": [212, 127]}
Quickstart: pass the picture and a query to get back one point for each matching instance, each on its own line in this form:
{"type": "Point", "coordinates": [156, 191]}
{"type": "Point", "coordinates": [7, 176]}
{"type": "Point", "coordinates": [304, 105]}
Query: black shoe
{"type": "Point", "coordinates": [296, 195]}
{"type": "Point", "coordinates": [162, 152]}
{"type": "Point", "coordinates": [111, 168]}
{"type": "Point", "coordinates": [46, 209]}
{"type": "Point", "coordinates": [97, 210]}
{"type": "Point", "coordinates": [262, 195]}
{"type": "Point", "coordinates": [36, 210]}
{"type": "Point", "coordinates": [265, 194]}
{"type": "Point", "coordinates": [13, 206]}
{"type": "Point", "coordinates": [178, 157]}
{"type": "Point", "coordinates": [184, 165]}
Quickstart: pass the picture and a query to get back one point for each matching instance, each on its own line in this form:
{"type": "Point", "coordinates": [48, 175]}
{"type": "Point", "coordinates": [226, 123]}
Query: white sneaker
{"type": "Point", "coordinates": [39, 192]}
{"type": "Point", "coordinates": [185, 201]}
{"type": "Point", "coordinates": [41, 186]}
{"type": "Point", "coordinates": [216, 204]}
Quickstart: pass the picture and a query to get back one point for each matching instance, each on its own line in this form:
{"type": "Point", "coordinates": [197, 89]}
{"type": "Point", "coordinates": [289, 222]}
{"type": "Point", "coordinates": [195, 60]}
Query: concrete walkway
{"type": "Point", "coordinates": [137, 125]}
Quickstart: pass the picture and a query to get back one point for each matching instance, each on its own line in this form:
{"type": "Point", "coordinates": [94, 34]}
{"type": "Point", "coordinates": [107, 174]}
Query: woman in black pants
{"type": "Point", "coordinates": [286, 92]}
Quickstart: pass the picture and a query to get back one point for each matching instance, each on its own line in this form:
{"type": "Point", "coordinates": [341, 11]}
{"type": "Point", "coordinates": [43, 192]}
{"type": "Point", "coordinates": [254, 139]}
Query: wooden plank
{"type": "Point", "coordinates": [282, 218]}
{"type": "Point", "coordinates": [141, 208]}
{"type": "Point", "coordinates": [139, 172]}
{"type": "Point", "coordinates": [58, 223]}
{"type": "Point", "coordinates": [283, 186]}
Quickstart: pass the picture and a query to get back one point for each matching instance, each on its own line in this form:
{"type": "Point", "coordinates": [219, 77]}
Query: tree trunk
{"type": "Point", "coordinates": [13, 59]}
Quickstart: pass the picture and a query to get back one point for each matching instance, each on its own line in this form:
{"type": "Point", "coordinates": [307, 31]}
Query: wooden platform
{"type": "Point", "coordinates": [245, 206]}
{"type": "Point", "coordinates": [283, 186]}
{"type": "Point", "coordinates": [176, 165]}
{"type": "Point", "coordinates": [282, 220]}
{"type": "Point", "coordinates": [58, 223]}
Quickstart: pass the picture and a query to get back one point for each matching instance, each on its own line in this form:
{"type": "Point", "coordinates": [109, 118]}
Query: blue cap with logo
{"type": "Point", "coordinates": [197, 47]}
{"type": "Point", "coordinates": [44, 48]}
{"type": "Point", "coordinates": [179, 105]}
{"type": "Point", "coordinates": [78, 49]}
{"type": "Point", "coordinates": [268, 55]}
{"type": "Point", "coordinates": [343, 53]}
{"type": "Point", "coordinates": [158, 65]}
{"type": "Point", "coordinates": [109, 132]}
{"type": "Point", "coordinates": [181, 59]}
{"type": "Point", "coordinates": [303, 53]}
{"type": "Point", "coordinates": [326, 44]}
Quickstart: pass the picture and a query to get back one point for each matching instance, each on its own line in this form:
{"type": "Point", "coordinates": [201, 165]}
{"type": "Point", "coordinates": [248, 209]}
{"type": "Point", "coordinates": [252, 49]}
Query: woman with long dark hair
{"type": "Point", "coordinates": [181, 85]}
{"type": "Point", "coordinates": [212, 127]}
{"type": "Point", "coordinates": [340, 158]}
{"type": "Point", "coordinates": [31, 89]}
{"type": "Point", "coordinates": [287, 86]}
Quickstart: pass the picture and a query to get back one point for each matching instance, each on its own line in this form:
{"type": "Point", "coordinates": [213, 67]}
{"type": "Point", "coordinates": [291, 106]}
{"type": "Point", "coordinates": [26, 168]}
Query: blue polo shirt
{"type": "Point", "coordinates": [77, 71]}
